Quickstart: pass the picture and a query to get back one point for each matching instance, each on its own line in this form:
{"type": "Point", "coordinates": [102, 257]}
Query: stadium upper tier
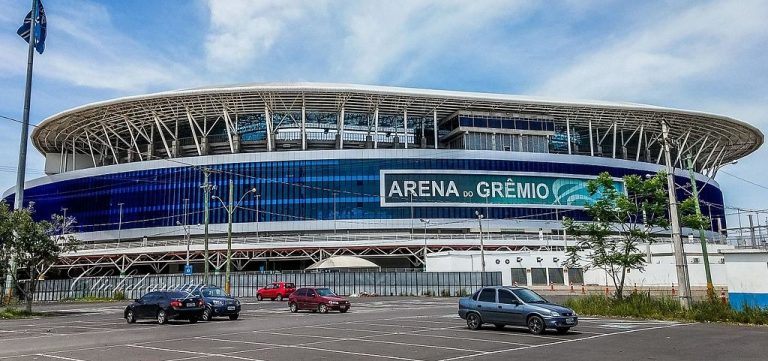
{"type": "Point", "coordinates": [309, 116]}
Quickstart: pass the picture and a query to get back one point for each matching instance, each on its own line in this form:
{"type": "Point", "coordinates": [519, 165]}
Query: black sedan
{"type": "Point", "coordinates": [164, 306]}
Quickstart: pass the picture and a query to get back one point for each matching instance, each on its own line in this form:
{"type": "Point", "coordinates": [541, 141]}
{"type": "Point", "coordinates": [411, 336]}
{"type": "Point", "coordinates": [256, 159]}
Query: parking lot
{"type": "Point", "coordinates": [375, 328]}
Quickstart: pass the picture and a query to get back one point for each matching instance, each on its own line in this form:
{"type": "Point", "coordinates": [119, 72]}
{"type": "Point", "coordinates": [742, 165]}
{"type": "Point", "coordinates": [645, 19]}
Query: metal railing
{"type": "Point", "coordinates": [245, 284]}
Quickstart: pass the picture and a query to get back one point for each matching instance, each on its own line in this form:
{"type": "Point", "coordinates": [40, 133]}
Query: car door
{"type": "Point", "coordinates": [310, 300]}
{"type": "Point", "coordinates": [510, 308]}
{"type": "Point", "coordinates": [486, 305]}
{"type": "Point", "coordinates": [144, 304]}
{"type": "Point", "coordinates": [269, 291]}
{"type": "Point", "coordinates": [298, 297]}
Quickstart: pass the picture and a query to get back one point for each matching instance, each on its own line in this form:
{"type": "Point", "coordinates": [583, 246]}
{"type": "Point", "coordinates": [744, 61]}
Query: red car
{"type": "Point", "coordinates": [276, 291]}
{"type": "Point", "coordinates": [317, 300]}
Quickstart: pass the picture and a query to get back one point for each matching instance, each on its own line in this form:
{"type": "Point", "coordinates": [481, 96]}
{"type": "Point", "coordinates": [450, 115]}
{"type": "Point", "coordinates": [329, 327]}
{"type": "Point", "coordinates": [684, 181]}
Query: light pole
{"type": "Point", "coordinates": [230, 208]}
{"type": "Point", "coordinates": [334, 212]}
{"type": "Point", "coordinates": [704, 253]}
{"type": "Point", "coordinates": [677, 242]}
{"type": "Point", "coordinates": [482, 246]}
{"type": "Point", "coordinates": [426, 223]}
{"type": "Point", "coordinates": [186, 227]}
{"type": "Point", "coordinates": [63, 220]}
{"type": "Point", "coordinates": [258, 196]}
{"type": "Point", "coordinates": [206, 210]}
{"type": "Point", "coordinates": [119, 229]}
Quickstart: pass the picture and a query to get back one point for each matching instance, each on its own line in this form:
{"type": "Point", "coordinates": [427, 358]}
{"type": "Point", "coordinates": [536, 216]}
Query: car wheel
{"type": "Point", "coordinates": [259, 298]}
{"type": "Point", "coordinates": [294, 307]}
{"type": "Point", "coordinates": [536, 325]}
{"type": "Point", "coordinates": [563, 330]}
{"type": "Point", "coordinates": [473, 321]}
{"type": "Point", "coordinates": [234, 317]}
{"type": "Point", "coordinates": [498, 326]}
{"type": "Point", "coordinates": [322, 308]}
{"type": "Point", "coordinates": [193, 320]}
{"type": "Point", "coordinates": [130, 317]}
{"type": "Point", "coordinates": [207, 313]}
{"type": "Point", "coordinates": [162, 317]}
{"type": "Point", "coordinates": [280, 298]}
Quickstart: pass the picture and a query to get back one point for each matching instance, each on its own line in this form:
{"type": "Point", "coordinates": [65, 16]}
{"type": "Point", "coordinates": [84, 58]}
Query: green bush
{"type": "Point", "coordinates": [642, 305]}
{"type": "Point", "coordinates": [427, 293]}
{"type": "Point", "coordinates": [462, 293]}
{"type": "Point", "coordinates": [445, 293]}
{"type": "Point", "coordinates": [119, 296]}
{"type": "Point", "coordinates": [11, 313]}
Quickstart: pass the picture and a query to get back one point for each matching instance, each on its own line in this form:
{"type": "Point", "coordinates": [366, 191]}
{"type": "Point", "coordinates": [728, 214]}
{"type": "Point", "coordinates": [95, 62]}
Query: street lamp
{"type": "Point", "coordinates": [230, 208]}
{"type": "Point", "coordinates": [186, 228]}
{"type": "Point", "coordinates": [426, 223]}
{"type": "Point", "coordinates": [482, 246]}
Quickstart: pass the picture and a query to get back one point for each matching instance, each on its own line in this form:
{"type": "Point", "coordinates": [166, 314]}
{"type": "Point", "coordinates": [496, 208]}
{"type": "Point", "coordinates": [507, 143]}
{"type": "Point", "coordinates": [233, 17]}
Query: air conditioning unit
{"type": "Point", "coordinates": [695, 260]}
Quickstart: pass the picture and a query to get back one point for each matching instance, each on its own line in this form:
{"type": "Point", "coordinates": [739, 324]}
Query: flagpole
{"type": "Point", "coordinates": [22, 167]}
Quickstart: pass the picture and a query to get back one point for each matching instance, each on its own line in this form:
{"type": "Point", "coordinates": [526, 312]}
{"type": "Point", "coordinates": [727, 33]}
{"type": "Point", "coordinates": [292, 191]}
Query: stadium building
{"type": "Point", "coordinates": [326, 169]}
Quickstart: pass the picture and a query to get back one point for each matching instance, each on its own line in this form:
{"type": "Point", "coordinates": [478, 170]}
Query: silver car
{"type": "Point", "coordinates": [515, 306]}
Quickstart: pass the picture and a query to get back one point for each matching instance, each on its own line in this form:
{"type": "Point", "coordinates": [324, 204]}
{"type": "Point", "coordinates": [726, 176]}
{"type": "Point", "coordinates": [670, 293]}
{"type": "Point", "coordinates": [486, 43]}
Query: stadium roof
{"type": "Point", "coordinates": [123, 121]}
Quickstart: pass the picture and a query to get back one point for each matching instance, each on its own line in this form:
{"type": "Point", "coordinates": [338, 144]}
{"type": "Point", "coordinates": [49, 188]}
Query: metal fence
{"type": "Point", "coordinates": [246, 284]}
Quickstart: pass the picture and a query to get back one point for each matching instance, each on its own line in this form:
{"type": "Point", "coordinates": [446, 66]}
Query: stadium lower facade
{"type": "Point", "coordinates": [323, 169]}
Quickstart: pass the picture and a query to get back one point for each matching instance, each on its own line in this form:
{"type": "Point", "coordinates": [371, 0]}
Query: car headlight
{"type": "Point", "coordinates": [237, 302]}
{"type": "Point", "coordinates": [218, 303]}
{"type": "Point", "coordinates": [333, 303]}
{"type": "Point", "coordinates": [553, 313]}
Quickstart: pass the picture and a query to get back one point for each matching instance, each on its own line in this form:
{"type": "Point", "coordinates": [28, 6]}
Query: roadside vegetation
{"type": "Point", "coordinates": [12, 313]}
{"type": "Point", "coordinates": [642, 305]}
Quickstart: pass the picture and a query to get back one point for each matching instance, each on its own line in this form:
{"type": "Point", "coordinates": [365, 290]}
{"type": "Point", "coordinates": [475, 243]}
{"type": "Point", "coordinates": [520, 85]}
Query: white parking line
{"type": "Point", "coordinates": [368, 339]}
{"type": "Point", "coordinates": [196, 353]}
{"type": "Point", "coordinates": [59, 357]}
{"type": "Point", "coordinates": [557, 343]}
{"type": "Point", "coordinates": [305, 346]}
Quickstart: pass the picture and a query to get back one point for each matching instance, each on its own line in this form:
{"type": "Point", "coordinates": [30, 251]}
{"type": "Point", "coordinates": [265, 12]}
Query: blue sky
{"type": "Point", "coordinates": [700, 55]}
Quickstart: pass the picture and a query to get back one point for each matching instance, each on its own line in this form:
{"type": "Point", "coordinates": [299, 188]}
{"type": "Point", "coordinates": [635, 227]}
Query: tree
{"type": "Point", "coordinates": [621, 221]}
{"type": "Point", "coordinates": [35, 246]}
{"type": "Point", "coordinates": [6, 236]}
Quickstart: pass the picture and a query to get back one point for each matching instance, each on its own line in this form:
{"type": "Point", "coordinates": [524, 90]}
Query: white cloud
{"type": "Point", "coordinates": [242, 31]}
{"type": "Point", "coordinates": [664, 53]}
{"type": "Point", "coordinates": [83, 48]}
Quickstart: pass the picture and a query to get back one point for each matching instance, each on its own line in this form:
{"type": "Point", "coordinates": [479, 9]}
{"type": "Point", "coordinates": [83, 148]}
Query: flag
{"type": "Point", "coordinates": [41, 26]}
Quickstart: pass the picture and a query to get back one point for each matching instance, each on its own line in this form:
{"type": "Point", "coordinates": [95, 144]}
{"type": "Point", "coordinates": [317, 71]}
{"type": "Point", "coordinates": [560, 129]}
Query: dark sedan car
{"type": "Point", "coordinates": [217, 303]}
{"type": "Point", "coordinates": [164, 306]}
{"type": "Point", "coordinates": [515, 306]}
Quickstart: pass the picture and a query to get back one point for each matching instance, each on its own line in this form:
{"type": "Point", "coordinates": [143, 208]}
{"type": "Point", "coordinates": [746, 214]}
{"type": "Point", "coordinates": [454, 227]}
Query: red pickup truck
{"type": "Point", "coordinates": [276, 291]}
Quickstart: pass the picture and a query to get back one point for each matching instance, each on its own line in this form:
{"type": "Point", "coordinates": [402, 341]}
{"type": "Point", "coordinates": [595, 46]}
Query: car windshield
{"type": "Point", "coordinates": [325, 292]}
{"type": "Point", "coordinates": [179, 294]}
{"type": "Point", "coordinates": [529, 296]}
{"type": "Point", "coordinates": [214, 292]}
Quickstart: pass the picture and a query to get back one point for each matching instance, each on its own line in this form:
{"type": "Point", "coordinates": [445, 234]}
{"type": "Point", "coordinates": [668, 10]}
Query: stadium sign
{"type": "Point", "coordinates": [449, 188]}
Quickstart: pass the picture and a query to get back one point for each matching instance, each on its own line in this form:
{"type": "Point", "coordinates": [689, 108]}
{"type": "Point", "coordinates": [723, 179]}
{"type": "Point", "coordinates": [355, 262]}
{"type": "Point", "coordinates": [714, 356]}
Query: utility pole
{"type": "Point", "coordinates": [482, 246]}
{"type": "Point", "coordinates": [228, 283]}
{"type": "Point", "coordinates": [119, 229]}
{"type": "Point", "coordinates": [752, 230]}
{"type": "Point", "coordinates": [186, 230]}
{"type": "Point", "coordinates": [426, 223]}
{"type": "Point", "coordinates": [677, 242]}
{"type": "Point", "coordinates": [704, 252]}
{"type": "Point", "coordinates": [206, 202]}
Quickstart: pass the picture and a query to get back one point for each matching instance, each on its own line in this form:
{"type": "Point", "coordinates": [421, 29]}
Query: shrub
{"type": "Point", "coordinates": [445, 293]}
{"type": "Point", "coordinates": [119, 296]}
{"type": "Point", "coordinates": [642, 305]}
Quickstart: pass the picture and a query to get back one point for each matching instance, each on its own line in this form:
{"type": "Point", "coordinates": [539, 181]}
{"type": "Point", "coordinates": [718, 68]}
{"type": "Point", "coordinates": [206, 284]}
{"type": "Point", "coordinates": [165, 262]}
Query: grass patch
{"type": "Point", "coordinates": [11, 313]}
{"type": "Point", "coordinates": [642, 305]}
{"type": "Point", "coordinates": [92, 299]}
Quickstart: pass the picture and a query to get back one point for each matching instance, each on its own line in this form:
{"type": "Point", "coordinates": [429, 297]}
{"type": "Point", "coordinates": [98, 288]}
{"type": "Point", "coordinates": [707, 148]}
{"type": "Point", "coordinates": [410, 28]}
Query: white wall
{"type": "Point", "coordinates": [747, 271]}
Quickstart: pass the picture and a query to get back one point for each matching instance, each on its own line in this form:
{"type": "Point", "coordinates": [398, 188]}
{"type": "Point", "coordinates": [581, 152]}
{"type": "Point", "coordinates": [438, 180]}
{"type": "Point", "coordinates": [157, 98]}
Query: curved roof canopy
{"type": "Point", "coordinates": [343, 262]}
{"type": "Point", "coordinates": [104, 128]}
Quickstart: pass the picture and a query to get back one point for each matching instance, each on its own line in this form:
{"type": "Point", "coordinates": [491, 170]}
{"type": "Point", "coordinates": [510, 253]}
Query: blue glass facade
{"type": "Point", "coordinates": [288, 191]}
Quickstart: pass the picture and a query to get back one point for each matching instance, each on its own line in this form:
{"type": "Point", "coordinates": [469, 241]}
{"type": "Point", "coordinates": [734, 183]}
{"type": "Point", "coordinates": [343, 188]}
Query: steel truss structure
{"type": "Point", "coordinates": [305, 116]}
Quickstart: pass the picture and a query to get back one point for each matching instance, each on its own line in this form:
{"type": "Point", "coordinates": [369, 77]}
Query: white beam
{"type": "Point", "coordinates": [591, 142]}
{"type": "Point", "coordinates": [303, 126]}
{"type": "Point", "coordinates": [194, 134]}
{"type": "Point", "coordinates": [568, 133]}
{"type": "Point", "coordinates": [228, 125]}
{"type": "Point", "coordinates": [376, 127]}
{"type": "Point", "coordinates": [405, 127]}
{"type": "Point", "coordinates": [268, 121]}
{"type": "Point", "coordinates": [341, 129]}
{"type": "Point", "coordinates": [434, 126]}
{"type": "Point", "coordinates": [639, 143]}
{"type": "Point", "coordinates": [162, 136]}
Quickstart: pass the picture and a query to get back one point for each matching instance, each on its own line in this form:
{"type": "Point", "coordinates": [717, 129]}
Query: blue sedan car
{"type": "Point", "coordinates": [515, 306]}
{"type": "Point", "coordinates": [217, 302]}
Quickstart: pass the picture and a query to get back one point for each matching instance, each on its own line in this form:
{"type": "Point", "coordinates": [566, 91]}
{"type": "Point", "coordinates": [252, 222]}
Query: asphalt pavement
{"type": "Point", "coordinates": [381, 328]}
